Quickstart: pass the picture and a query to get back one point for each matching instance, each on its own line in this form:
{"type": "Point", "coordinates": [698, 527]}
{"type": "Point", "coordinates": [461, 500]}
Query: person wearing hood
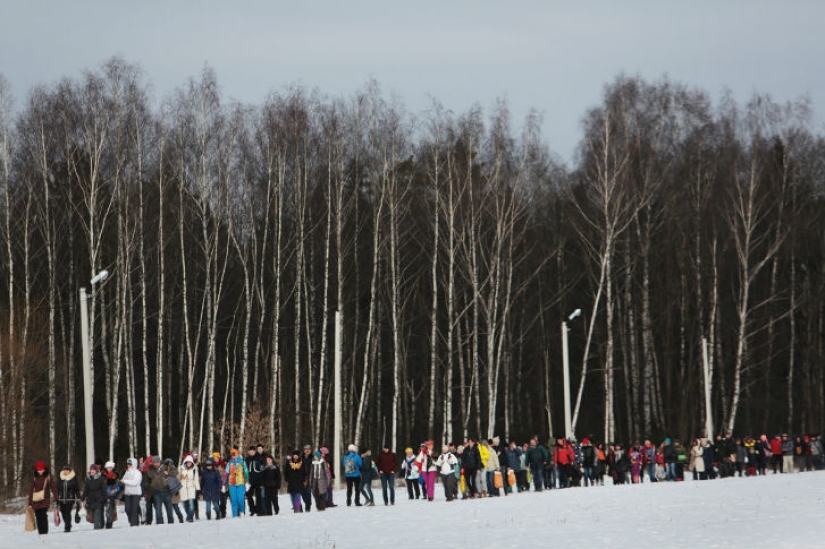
{"type": "Point", "coordinates": [94, 495]}
{"type": "Point", "coordinates": [40, 493]}
{"type": "Point", "coordinates": [320, 478]}
{"type": "Point", "coordinates": [68, 494]}
{"type": "Point", "coordinates": [211, 484]}
{"type": "Point", "coordinates": [132, 481]}
{"type": "Point", "coordinates": [189, 485]}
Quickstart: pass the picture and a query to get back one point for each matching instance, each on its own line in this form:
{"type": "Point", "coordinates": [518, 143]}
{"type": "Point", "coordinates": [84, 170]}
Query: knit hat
{"type": "Point", "coordinates": [324, 450]}
{"type": "Point", "coordinates": [109, 465]}
{"type": "Point", "coordinates": [94, 467]}
{"type": "Point", "coordinates": [317, 454]}
{"type": "Point", "coordinates": [352, 448]}
{"type": "Point", "coordinates": [188, 459]}
{"type": "Point", "coordinates": [408, 450]}
{"type": "Point", "coordinates": [40, 466]}
{"type": "Point", "coordinates": [585, 441]}
{"type": "Point", "coordinates": [156, 459]}
{"type": "Point", "coordinates": [216, 455]}
{"type": "Point", "coordinates": [209, 462]}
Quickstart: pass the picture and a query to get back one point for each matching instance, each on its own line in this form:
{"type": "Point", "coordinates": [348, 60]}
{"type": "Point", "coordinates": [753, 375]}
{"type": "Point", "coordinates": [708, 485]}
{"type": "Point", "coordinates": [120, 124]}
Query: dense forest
{"type": "Point", "coordinates": [435, 256]}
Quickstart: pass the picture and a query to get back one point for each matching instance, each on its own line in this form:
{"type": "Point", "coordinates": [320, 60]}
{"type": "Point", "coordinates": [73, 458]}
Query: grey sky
{"type": "Point", "coordinates": [553, 56]}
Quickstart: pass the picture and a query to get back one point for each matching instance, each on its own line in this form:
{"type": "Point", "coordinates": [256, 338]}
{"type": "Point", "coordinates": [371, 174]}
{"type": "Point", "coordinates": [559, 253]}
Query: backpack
{"type": "Point", "coordinates": [173, 484]}
{"type": "Point", "coordinates": [349, 466]}
{"type": "Point", "coordinates": [366, 468]}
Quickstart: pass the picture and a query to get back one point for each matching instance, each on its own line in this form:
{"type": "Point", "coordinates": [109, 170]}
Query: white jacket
{"type": "Point", "coordinates": [190, 481]}
{"type": "Point", "coordinates": [492, 461]}
{"type": "Point", "coordinates": [446, 463]}
{"type": "Point", "coordinates": [132, 480]}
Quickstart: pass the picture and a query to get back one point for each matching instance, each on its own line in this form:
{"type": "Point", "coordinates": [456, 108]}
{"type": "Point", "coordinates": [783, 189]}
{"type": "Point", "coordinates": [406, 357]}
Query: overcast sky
{"type": "Point", "coordinates": [549, 55]}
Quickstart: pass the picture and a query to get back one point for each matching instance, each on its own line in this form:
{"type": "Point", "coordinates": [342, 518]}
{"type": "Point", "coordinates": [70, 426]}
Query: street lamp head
{"type": "Point", "coordinates": [574, 314]}
{"type": "Point", "coordinates": [99, 277]}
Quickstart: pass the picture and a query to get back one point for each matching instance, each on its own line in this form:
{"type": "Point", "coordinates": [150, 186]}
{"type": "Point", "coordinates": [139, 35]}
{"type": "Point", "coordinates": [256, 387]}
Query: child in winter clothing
{"type": "Point", "coordinates": [271, 478]}
{"type": "Point", "coordinates": [113, 488]}
{"type": "Point", "coordinates": [211, 485]}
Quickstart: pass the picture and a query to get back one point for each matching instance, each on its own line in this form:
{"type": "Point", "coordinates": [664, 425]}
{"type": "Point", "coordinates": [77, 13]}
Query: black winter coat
{"type": "Point", "coordinates": [472, 458]}
{"type": "Point", "coordinates": [68, 489]}
{"type": "Point", "coordinates": [294, 477]}
{"type": "Point", "coordinates": [94, 492]}
{"type": "Point", "coordinates": [271, 476]}
{"type": "Point", "coordinates": [211, 484]}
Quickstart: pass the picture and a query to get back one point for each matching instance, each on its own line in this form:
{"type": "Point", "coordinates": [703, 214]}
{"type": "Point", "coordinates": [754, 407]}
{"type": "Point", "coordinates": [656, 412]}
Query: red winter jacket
{"type": "Point", "coordinates": [776, 446]}
{"type": "Point", "coordinates": [386, 462]}
{"type": "Point", "coordinates": [564, 455]}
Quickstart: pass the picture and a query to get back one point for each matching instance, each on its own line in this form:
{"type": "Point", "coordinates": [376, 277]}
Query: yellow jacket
{"type": "Point", "coordinates": [484, 452]}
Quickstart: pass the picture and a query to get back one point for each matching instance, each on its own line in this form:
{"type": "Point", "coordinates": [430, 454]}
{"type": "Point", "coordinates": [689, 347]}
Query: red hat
{"type": "Point", "coordinates": [40, 466]}
{"type": "Point", "coordinates": [585, 441]}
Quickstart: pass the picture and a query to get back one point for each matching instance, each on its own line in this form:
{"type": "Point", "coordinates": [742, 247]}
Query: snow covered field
{"type": "Point", "coordinates": [773, 511]}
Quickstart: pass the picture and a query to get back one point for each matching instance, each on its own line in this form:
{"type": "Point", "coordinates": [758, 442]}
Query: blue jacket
{"type": "Point", "coordinates": [357, 458]}
{"type": "Point", "coordinates": [211, 484]}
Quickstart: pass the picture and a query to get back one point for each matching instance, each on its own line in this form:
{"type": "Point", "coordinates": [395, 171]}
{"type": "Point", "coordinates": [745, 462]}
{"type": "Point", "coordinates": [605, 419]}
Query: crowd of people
{"type": "Point", "coordinates": [151, 487]}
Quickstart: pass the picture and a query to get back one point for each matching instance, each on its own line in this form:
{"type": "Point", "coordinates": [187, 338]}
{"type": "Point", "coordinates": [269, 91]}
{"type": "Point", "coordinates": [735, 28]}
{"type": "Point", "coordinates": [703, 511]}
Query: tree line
{"type": "Point", "coordinates": [453, 245]}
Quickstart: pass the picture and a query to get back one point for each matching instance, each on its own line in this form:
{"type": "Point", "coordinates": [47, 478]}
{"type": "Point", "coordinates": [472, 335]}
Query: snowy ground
{"type": "Point", "coordinates": [773, 511]}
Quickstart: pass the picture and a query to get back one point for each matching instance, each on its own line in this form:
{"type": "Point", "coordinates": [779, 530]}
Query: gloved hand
{"type": "Point", "coordinates": [248, 486]}
{"type": "Point", "coordinates": [223, 489]}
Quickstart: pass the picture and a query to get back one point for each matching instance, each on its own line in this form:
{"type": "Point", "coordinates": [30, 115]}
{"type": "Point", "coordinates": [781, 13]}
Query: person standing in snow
{"type": "Point", "coordinates": [211, 485]}
{"type": "Point", "coordinates": [368, 472]}
{"type": "Point", "coordinates": [42, 489]}
{"type": "Point", "coordinates": [387, 466]}
{"type": "Point", "coordinates": [352, 471]}
{"type": "Point", "coordinates": [296, 480]}
{"type": "Point", "coordinates": [411, 474]}
{"type": "Point", "coordinates": [236, 477]}
{"type": "Point", "coordinates": [68, 495]}
{"type": "Point", "coordinates": [426, 465]}
{"type": "Point", "coordinates": [446, 464]}
{"type": "Point", "coordinates": [271, 480]}
{"type": "Point", "coordinates": [132, 481]}
{"type": "Point", "coordinates": [320, 478]}
{"type": "Point", "coordinates": [113, 488]}
{"type": "Point", "coordinates": [471, 459]}
{"type": "Point", "coordinates": [94, 495]}
{"type": "Point", "coordinates": [190, 484]}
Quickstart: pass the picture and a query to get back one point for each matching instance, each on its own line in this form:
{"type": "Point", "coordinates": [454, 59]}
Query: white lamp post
{"type": "Point", "coordinates": [85, 341]}
{"type": "Point", "coordinates": [568, 422]}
